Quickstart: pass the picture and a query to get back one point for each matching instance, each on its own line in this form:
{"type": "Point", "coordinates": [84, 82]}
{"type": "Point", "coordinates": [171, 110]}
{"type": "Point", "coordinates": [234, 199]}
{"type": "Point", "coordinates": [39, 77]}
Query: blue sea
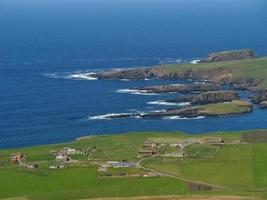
{"type": "Point", "coordinates": [47, 46]}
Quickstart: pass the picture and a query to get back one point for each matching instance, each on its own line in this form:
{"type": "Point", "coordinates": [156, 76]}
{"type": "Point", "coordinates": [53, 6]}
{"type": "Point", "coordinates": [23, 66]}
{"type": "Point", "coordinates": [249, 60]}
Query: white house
{"type": "Point", "coordinates": [122, 164]}
{"type": "Point", "coordinates": [62, 157]}
{"type": "Point", "coordinates": [70, 151]}
{"type": "Point", "coordinates": [179, 144]}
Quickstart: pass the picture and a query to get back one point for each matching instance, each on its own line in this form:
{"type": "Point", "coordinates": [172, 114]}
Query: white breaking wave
{"type": "Point", "coordinates": [107, 116]}
{"type": "Point", "coordinates": [73, 75]}
{"type": "Point", "coordinates": [164, 103]}
{"type": "Point", "coordinates": [195, 61]}
{"type": "Point", "coordinates": [82, 76]}
{"type": "Point", "coordinates": [132, 91]}
{"type": "Point", "coordinates": [182, 118]}
{"type": "Point", "coordinates": [169, 60]}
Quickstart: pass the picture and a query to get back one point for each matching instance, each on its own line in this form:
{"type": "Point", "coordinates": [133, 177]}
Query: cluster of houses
{"type": "Point", "coordinates": [63, 155]}
{"type": "Point", "coordinates": [205, 140]}
{"type": "Point", "coordinates": [148, 149]}
{"type": "Point", "coordinates": [19, 157]}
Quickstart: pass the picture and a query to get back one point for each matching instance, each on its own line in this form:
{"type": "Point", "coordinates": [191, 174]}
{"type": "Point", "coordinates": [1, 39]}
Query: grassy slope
{"type": "Point", "coordinates": [259, 165]}
{"type": "Point", "coordinates": [235, 107]}
{"type": "Point", "coordinates": [233, 166]}
{"type": "Point", "coordinates": [77, 183]}
{"type": "Point", "coordinates": [248, 68]}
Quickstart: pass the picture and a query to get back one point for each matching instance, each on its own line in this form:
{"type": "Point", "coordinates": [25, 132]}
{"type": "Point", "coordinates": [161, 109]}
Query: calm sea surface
{"type": "Point", "coordinates": [47, 45]}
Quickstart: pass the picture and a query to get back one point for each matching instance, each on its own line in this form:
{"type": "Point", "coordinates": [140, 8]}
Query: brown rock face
{"type": "Point", "coordinates": [259, 96]}
{"type": "Point", "coordinates": [189, 112]}
{"type": "Point", "coordinates": [181, 88]}
{"type": "Point", "coordinates": [137, 73]}
{"type": "Point", "coordinates": [208, 97]}
{"type": "Point", "coordinates": [263, 104]}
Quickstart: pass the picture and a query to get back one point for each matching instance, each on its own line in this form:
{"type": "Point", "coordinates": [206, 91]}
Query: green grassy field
{"type": "Point", "coordinates": [247, 68]}
{"type": "Point", "coordinates": [240, 167]}
{"type": "Point", "coordinates": [231, 167]}
{"type": "Point", "coordinates": [235, 107]}
{"type": "Point", "coordinates": [202, 151]}
{"type": "Point", "coordinates": [75, 183]}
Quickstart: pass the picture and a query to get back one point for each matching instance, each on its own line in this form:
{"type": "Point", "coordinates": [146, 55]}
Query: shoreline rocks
{"type": "Point", "coordinates": [209, 110]}
{"type": "Point", "coordinates": [181, 88]}
{"type": "Point", "coordinates": [263, 104]}
{"type": "Point", "coordinates": [259, 96]}
{"type": "Point", "coordinates": [207, 97]}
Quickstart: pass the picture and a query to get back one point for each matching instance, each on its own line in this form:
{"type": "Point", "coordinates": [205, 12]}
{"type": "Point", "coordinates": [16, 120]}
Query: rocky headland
{"type": "Point", "coordinates": [239, 69]}
{"type": "Point", "coordinates": [209, 110]}
{"type": "Point", "coordinates": [193, 111]}
{"type": "Point", "coordinates": [233, 68]}
{"type": "Point", "coordinates": [179, 88]}
{"type": "Point", "coordinates": [207, 97]}
{"type": "Point", "coordinates": [230, 55]}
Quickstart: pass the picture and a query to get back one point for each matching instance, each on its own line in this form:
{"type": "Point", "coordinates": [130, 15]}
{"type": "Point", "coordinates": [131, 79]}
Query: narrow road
{"type": "Point", "coordinates": [161, 173]}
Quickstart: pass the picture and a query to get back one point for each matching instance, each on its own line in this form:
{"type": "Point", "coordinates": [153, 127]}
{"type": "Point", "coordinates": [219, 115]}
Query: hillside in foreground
{"type": "Point", "coordinates": [144, 165]}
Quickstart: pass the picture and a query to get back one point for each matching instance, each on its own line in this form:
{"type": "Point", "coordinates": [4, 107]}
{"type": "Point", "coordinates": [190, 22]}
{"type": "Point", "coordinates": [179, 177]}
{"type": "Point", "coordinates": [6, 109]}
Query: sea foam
{"type": "Point", "coordinates": [133, 91]}
{"type": "Point", "coordinates": [72, 75]}
{"type": "Point", "coordinates": [195, 61]}
{"type": "Point", "coordinates": [182, 118]}
{"type": "Point", "coordinates": [107, 116]}
{"type": "Point", "coordinates": [164, 103]}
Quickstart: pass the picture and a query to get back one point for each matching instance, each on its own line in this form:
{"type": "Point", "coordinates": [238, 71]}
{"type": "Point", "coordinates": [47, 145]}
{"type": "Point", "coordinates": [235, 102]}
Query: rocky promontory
{"type": "Point", "coordinates": [230, 55]}
{"type": "Point", "coordinates": [208, 97]}
{"type": "Point", "coordinates": [209, 110]}
{"type": "Point", "coordinates": [130, 74]}
{"type": "Point", "coordinates": [259, 96]}
{"type": "Point", "coordinates": [181, 88]}
{"type": "Point", "coordinates": [263, 104]}
{"type": "Point", "coordinates": [245, 74]}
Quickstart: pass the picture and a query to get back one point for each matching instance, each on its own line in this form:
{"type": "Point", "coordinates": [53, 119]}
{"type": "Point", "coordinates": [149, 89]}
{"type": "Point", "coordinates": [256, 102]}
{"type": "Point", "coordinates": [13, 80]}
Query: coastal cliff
{"type": "Point", "coordinates": [210, 110]}
{"type": "Point", "coordinates": [181, 88]}
{"type": "Point", "coordinates": [230, 55]}
{"type": "Point", "coordinates": [246, 74]}
{"type": "Point", "coordinates": [207, 97]}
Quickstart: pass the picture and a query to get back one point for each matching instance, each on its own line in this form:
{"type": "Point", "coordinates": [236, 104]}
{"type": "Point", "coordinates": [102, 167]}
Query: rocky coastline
{"type": "Point", "coordinates": [207, 97]}
{"type": "Point", "coordinates": [179, 88]}
{"type": "Point", "coordinates": [215, 71]}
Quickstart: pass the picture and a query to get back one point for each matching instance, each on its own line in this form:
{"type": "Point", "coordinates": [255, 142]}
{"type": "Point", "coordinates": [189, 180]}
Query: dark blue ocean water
{"type": "Point", "coordinates": [43, 42]}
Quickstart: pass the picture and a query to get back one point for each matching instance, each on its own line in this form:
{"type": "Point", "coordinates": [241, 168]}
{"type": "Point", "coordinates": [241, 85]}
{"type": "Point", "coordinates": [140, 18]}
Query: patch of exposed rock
{"type": "Point", "coordinates": [263, 104]}
{"type": "Point", "coordinates": [131, 74]}
{"type": "Point", "coordinates": [208, 97]}
{"type": "Point", "coordinates": [259, 96]}
{"type": "Point", "coordinates": [181, 88]}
